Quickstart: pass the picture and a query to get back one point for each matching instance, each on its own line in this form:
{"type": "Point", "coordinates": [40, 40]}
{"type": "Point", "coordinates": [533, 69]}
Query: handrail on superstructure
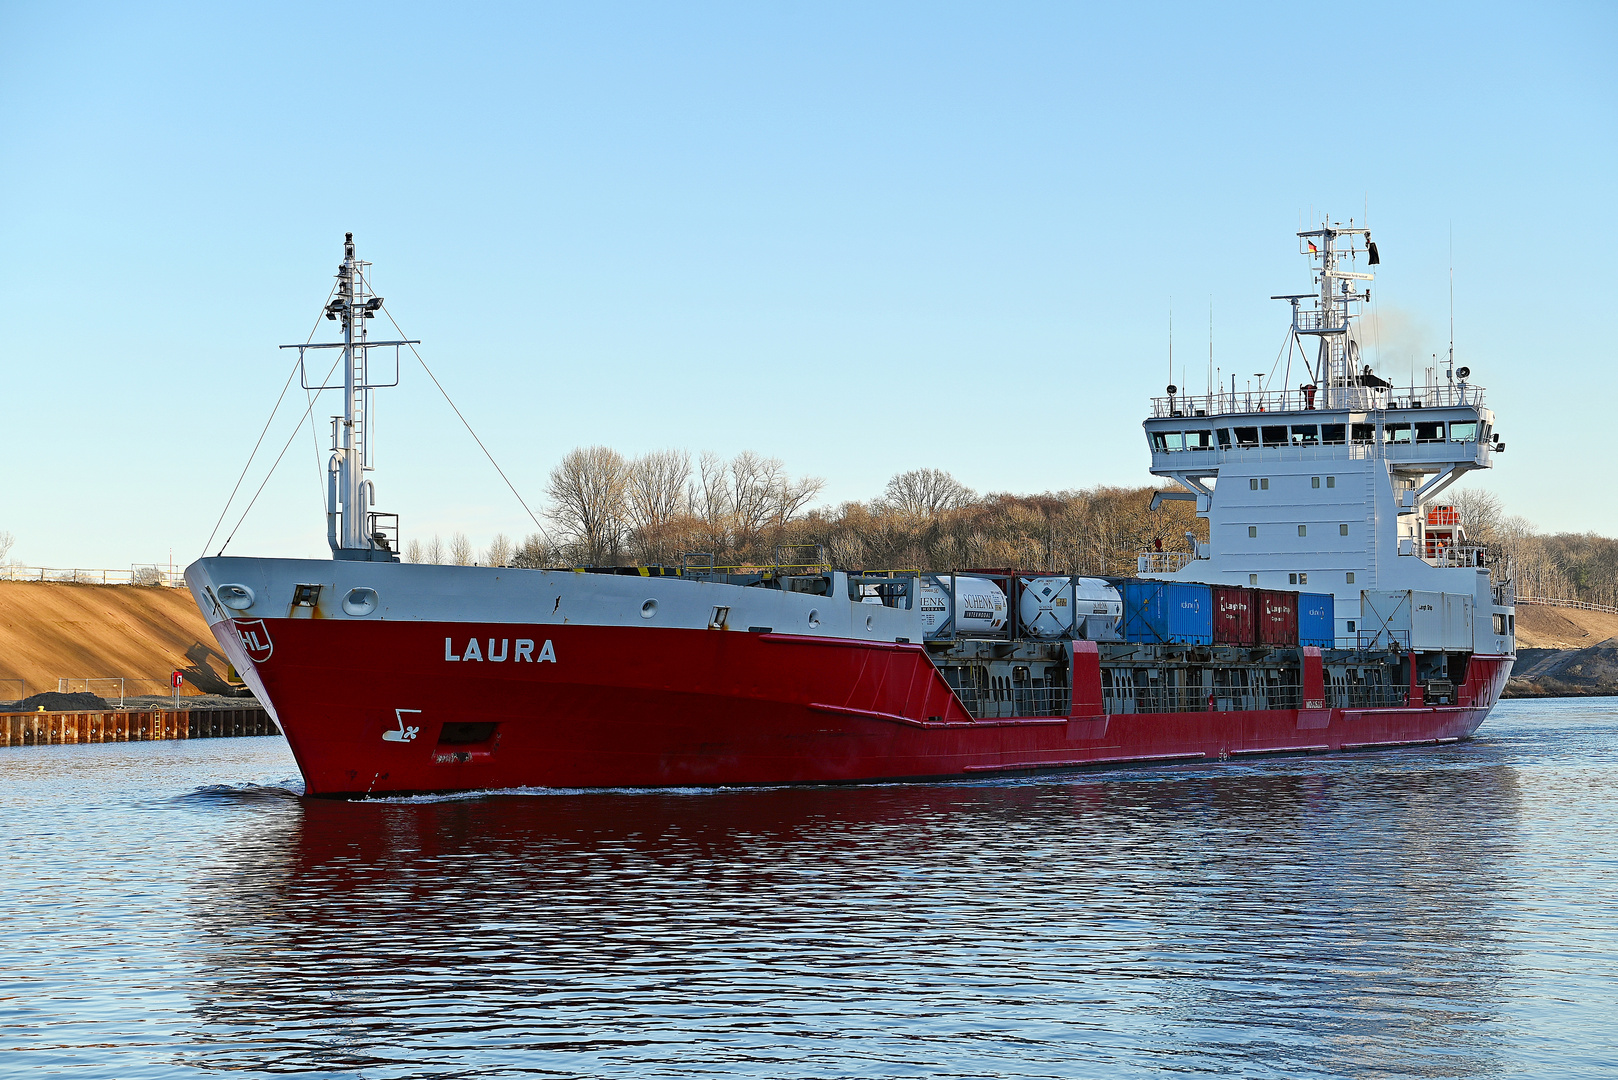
{"type": "Point", "coordinates": [1354, 399]}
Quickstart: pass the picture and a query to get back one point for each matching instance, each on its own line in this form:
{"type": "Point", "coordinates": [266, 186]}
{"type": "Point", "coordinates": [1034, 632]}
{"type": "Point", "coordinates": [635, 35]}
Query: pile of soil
{"type": "Point", "coordinates": [1588, 672]}
{"type": "Point", "coordinates": [51, 701]}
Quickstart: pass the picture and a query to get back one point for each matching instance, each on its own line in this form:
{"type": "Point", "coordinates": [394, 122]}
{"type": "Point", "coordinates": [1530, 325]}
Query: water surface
{"type": "Point", "coordinates": [178, 909]}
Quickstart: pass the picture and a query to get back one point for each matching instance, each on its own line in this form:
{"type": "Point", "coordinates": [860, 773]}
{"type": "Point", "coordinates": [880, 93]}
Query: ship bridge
{"type": "Point", "coordinates": [1331, 486]}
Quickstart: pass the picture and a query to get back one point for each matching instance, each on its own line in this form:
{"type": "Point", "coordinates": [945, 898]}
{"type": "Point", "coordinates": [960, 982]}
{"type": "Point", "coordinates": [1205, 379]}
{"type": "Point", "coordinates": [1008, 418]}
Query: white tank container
{"type": "Point", "coordinates": [1098, 609]}
{"type": "Point", "coordinates": [979, 605]}
{"type": "Point", "coordinates": [1057, 607]}
{"type": "Point", "coordinates": [1045, 607]}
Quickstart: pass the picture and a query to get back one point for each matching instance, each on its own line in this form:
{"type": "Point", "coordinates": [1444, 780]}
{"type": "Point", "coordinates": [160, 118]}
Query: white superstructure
{"type": "Point", "coordinates": [1331, 486]}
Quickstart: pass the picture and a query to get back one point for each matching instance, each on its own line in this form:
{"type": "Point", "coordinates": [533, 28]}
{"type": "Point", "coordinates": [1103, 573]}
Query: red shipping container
{"type": "Point", "coordinates": [1233, 622]}
{"type": "Point", "coordinates": [1277, 617]}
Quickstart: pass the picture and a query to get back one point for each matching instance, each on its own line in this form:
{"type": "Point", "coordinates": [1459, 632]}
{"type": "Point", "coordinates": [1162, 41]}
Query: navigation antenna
{"type": "Point", "coordinates": [1334, 309]}
{"type": "Point", "coordinates": [355, 531]}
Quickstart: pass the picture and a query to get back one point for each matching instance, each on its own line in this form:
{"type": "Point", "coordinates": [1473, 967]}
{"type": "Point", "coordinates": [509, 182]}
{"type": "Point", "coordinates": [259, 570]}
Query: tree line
{"type": "Point", "coordinates": [1566, 566]}
{"type": "Point", "coordinates": [657, 509]}
{"type": "Point", "coordinates": [663, 507]}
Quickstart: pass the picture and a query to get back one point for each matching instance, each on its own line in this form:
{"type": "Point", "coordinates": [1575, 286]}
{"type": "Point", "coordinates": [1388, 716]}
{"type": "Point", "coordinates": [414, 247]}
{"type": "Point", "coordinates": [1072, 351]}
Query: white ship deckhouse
{"type": "Point", "coordinates": [1333, 485]}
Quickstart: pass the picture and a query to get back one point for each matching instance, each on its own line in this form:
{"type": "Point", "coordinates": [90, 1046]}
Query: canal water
{"type": "Point", "coordinates": [177, 909]}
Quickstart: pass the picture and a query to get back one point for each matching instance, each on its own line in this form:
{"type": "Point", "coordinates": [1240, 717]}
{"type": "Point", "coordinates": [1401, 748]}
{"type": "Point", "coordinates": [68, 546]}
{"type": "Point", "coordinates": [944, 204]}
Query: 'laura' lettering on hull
{"type": "Point", "coordinates": [499, 649]}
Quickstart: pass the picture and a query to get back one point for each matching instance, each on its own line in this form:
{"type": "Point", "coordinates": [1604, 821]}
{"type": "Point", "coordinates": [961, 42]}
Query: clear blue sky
{"type": "Point", "coordinates": [861, 238]}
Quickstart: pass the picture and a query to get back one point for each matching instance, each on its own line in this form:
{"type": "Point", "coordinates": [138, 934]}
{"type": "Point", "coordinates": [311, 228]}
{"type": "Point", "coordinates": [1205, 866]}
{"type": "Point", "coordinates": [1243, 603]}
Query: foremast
{"type": "Point", "coordinates": [354, 529]}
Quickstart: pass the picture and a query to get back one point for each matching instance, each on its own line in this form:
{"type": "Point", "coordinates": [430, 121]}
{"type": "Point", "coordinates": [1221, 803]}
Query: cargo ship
{"type": "Point", "coordinates": [1337, 605]}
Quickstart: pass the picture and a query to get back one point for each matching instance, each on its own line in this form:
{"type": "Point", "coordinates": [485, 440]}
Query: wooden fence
{"type": "Point", "coordinates": [1552, 601]}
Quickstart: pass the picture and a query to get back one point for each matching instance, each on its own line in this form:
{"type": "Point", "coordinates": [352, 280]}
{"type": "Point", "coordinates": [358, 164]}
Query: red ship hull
{"type": "Point", "coordinates": [604, 706]}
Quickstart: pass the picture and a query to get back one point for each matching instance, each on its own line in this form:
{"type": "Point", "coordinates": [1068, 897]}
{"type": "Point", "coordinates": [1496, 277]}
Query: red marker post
{"type": "Point", "coordinates": [176, 678]}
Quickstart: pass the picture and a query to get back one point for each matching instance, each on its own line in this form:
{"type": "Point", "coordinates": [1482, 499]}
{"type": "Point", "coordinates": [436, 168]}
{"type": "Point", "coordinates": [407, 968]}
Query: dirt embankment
{"type": "Point", "coordinates": [1564, 652]}
{"type": "Point", "coordinates": [135, 632]}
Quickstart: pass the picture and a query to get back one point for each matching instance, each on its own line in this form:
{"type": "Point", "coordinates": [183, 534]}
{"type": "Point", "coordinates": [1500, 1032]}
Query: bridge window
{"type": "Point", "coordinates": [1364, 433]}
{"type": "Point", "coordinates": [1430, 431]}
{"type": "Point", "coordinates": [1396, 433]}
{"type": "Point", "coordinates": [1224, 438]}
{"type": "Point", "coordinates": [1275, 435]}
{"type": "Point", "coordinates": [1467, 432]}
{"type": "Point", "coordinates": [1160, 441]}
{"type": "Point", "coordinates": [1246, 436]}
{"type": "Point", "coordinates": [1333, 434]}
{"type": "Point", "coordinates": [1198, 440]}
{"type": "Point", "coordinates": [1305, 435]}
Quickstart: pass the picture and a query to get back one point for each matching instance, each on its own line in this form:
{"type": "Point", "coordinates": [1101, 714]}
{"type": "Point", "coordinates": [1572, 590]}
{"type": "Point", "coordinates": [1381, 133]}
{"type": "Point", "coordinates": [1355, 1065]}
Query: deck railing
{"type": "Point", "coordinates": [136, 575]}
{"type": "Point", "coordinates": [1162, 562]}
{"type": "Point", "coordinates": [1358, 398]}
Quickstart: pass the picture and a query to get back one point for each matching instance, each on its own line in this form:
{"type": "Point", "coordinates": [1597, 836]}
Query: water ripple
{"type": "Point", "coordinates": [1431, 912]}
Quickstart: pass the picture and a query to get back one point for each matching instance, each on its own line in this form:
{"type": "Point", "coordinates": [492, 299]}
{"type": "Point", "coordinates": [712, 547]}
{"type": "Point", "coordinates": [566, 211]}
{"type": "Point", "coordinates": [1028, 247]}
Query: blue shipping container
{"type": "Point", "coordinates": [1317, 620]}
{"type": "Point", "coordinates": [1167, 613]}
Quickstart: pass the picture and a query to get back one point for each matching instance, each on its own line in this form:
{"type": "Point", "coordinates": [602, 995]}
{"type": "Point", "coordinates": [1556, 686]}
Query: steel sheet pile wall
{"type": "Point", "coordinates": [145, 725]}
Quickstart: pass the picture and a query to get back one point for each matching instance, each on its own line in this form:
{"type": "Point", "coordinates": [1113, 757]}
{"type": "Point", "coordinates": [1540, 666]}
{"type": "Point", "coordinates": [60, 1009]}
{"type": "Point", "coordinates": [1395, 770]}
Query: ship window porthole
{"type": "Point", "coordinates": [239, 597]}
{"type": "Point", "coordinates": [870, 622]}
{"type": "Point", "coordinates": [360, 601]}
{"type": "Point", "coordinates": [648, 609]}
{"type": "Point", "coordinates": [814, 619]}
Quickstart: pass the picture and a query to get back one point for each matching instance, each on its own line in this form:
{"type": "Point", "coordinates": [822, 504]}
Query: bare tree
{"type": "Point", "coordinates": [412, 552]}
{"type": "Point", "coordinates": [435, 551]}
{"type": "Point", "coordinates": [926, 493]}
{"type": "Point", "coordinates": [6, 540]}
{"type": "Point", "coordinates": [499, 553]}
{"type": "Point", "coordinates": [587, 501]}
{"type": "Point", "coordinates": [534, 554]}
{"type": "Point", "coordinates": [1480, 512]}
{"type": "Point", "coordinates": [710, 501]}
{"type": "Point", "coordinates": [460, 550]}
{"type": "Point", "coordinates": [655, 498]}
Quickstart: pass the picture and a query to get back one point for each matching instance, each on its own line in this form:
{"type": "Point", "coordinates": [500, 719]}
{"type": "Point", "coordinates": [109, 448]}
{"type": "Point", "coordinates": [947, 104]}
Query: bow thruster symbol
{"type": "Point", "coordinates": [403, 734]}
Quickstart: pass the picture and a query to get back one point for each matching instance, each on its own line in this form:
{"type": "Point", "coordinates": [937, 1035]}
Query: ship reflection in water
{"type": "Point", "coordinates": [1299, 917]}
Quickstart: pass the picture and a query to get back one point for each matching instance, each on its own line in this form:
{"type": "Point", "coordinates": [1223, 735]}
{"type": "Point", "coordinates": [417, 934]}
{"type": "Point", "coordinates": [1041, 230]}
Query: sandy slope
{"type": "Point", "coordinates": [50, 631]}
{"type": "Point", "coordinates": [1562, 628]}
